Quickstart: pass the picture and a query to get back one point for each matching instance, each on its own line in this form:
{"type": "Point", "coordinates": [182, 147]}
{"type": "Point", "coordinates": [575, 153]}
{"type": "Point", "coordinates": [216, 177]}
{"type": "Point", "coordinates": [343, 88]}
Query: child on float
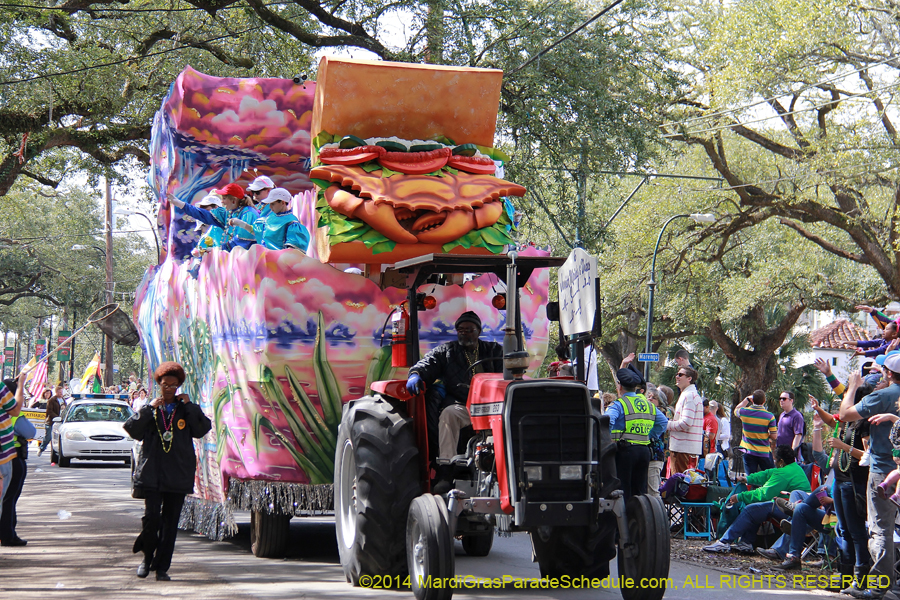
{"type": "Point", "coordinates": [278, 228]}
{"type": "Point", "coordinates": [210, 235]}
{"type": "Point", "coordinates": [236, 207]}
{"type": "Point", "coordinates": [258, 190]}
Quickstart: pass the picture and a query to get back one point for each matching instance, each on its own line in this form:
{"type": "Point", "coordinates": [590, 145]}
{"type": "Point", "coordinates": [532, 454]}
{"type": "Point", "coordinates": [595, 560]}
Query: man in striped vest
{"type": "Point", "coordinates": [633, 422]}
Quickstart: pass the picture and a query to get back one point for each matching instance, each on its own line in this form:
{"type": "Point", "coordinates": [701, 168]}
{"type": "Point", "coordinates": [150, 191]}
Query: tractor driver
{"type": "Point", "coordinates": [633, 421]}
{"type": "Point", "coordinates": [445, 405]}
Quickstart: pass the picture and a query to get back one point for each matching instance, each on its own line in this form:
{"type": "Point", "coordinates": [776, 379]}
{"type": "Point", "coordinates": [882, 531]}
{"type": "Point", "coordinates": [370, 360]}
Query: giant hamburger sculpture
{"type": "Point", "coordinates": [404, 162]}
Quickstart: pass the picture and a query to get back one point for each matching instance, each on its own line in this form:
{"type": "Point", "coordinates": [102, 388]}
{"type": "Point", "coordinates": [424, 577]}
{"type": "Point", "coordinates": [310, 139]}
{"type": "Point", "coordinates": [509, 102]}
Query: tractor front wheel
{"type": "Point", "coordinates": [429, 548]}
{"type": "Point", "coordinates": [648, 530]}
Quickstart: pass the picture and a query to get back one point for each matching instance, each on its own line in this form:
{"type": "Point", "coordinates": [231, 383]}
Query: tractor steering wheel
{"type": "Point", "coordinates": [478, 362]}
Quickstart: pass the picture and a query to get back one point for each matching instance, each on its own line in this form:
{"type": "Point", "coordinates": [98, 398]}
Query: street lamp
{"type": "Point", "coordinates": [109, 300]}
{"type": "Point", "coordinates": [651, 285]}
{"type": "Point", "coordinates": [128, 213]}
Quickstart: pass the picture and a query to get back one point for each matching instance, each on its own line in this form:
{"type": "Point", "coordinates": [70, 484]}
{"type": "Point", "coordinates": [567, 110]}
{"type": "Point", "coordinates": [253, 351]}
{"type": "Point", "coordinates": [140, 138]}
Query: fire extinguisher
{"type": "Point", "coordinates": [399, 327]}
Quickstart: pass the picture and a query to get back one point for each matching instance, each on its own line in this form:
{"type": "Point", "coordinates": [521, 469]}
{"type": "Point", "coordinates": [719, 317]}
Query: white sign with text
{"type": "Point", "coordinates": [576, 292]}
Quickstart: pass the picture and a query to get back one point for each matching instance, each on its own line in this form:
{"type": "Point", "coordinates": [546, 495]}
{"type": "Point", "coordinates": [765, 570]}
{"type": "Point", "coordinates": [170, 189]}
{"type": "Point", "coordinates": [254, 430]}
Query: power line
{"type": "Point", "coordinates": [565, 37]}
{"type": "Point", "coordinates": [74, 235]}
{"type": "Point", "coordinates": [767, 100]}
{"type": "Point", "coordinates": [726, 188]}
{"type": "Point", "coordinates": [124, 10]}
{"type": "Point", "coordinates": [780, 115]}
{"type": "Point", "coordinates": [124, 60]}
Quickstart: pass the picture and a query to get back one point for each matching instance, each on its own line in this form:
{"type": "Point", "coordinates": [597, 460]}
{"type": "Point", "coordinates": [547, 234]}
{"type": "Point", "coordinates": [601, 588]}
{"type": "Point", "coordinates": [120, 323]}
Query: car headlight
{"type": "Point", "coordinates": [75, 435]}
{"type": "Point", "coordinates": [534, 473]}
{"type": "Point", "coordinates": [570, 472]}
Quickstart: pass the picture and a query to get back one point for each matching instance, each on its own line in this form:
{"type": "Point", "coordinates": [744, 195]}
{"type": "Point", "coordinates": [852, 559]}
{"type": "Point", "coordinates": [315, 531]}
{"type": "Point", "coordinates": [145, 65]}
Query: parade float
{"type": "Point", "coordinates": [386, 162]}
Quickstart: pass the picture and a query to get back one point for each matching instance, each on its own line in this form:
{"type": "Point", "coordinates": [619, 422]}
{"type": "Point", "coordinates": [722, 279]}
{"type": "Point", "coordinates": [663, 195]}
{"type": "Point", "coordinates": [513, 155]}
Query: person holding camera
{"type": "Point", "coordinates": [759, 432]}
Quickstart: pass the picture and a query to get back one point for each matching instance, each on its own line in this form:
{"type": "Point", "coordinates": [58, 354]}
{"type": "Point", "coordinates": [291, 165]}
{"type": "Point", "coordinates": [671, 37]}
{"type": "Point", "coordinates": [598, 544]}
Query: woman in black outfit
{"type": "Point", "coordinates": [850, 484]}
{"type": "Point", "coordinates": [164, 472]}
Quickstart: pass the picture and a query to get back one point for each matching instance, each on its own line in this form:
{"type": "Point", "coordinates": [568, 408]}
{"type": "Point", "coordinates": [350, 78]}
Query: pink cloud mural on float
{"type": "Point", "coordinates": [211, 131]}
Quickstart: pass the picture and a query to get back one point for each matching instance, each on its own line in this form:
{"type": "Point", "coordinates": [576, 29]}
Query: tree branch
{"type": "Point", "coordinates": [186, 40]}
{"type": "Point", "coordinates": [774, 337]}
{"type": "Point", "coordinates": [824, 110]}
{"type": "Point", "coordinates": [879, 105]}
{"type": "Point", "coordinates": [770, 145]}
{"type": "Point", "coordinates": [40, 179]}
{"type": "Point", "coordinates": [788, 119]}
{"type": "Point", "coordinates": [89, 142]}
{"type": "Point", "coordinates": [860, 258]}
{"type": "Point", "coordinates": [358, 36]}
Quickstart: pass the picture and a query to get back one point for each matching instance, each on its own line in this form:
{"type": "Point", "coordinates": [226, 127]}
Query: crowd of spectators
{"type": "Point", "coordinates": [847, 489]}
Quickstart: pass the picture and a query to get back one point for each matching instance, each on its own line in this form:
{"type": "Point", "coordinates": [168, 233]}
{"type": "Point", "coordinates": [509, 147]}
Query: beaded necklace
{"type": "Point", "coordinates": [165, 436]}
{"type": "Point", "coordinates": [474, 358]}
{"type": "Point", "coordinates": [849, 454]}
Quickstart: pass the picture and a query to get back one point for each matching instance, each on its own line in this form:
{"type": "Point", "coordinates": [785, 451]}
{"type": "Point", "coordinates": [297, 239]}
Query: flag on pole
{"type": "Point", "coordinates": [30, 377]}
{"type": "Point", "coordinates": [39, 377]}
{"type": "Point", "coordinates": [90, 372]}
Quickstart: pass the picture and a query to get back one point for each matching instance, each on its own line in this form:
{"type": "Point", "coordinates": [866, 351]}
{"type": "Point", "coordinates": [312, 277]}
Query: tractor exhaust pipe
{"type": "Point", "coordinates": [512, 341]}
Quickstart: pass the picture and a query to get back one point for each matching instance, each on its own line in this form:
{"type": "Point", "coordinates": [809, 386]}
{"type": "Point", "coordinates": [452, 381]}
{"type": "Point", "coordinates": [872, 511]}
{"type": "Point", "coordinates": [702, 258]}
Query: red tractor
{"type": "Point", "coordinates": [541, 460]}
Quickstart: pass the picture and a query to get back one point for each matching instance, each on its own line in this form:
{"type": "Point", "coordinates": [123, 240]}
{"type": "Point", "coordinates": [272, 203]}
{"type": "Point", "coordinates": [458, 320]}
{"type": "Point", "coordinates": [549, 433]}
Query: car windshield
{"type": "Point", "coordinates": [99, 412]}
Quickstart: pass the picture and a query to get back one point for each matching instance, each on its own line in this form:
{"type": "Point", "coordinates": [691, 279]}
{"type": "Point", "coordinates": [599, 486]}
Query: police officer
{"type": "Point", "coordinates": [633, 422]}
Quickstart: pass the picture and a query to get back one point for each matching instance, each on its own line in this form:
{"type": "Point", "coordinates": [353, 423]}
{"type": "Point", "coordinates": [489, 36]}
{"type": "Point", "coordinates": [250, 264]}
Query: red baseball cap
{"type": "Point", "coordinates": [232, 189]}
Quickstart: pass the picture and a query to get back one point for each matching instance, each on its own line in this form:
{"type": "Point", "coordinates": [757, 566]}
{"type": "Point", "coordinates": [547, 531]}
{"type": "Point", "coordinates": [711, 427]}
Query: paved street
{"type": "Point", "coordinates": [85, 552]}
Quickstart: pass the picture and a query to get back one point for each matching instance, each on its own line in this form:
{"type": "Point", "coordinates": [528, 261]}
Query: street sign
{"type": "Point", "coordinates": [648, 357]}
{"type": "Point", "coordinates": [9, 355]}
{"type": "Point", "coordinates": [576, 292]}
{"type": "Point", "coordinates": [64, 354]}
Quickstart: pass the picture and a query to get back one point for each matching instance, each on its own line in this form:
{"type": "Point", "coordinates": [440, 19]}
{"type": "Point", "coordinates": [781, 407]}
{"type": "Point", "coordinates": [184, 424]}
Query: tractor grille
{"type": "Point", "coordinates": [550, 425]}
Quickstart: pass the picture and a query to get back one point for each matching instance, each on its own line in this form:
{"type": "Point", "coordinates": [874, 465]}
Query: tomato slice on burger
{"type": "Point", "coordinates": [350, 156]}
{"type": "Point", "coordinates": [415, 163]}
{"type": "Point", "coordinates": [480, 165]}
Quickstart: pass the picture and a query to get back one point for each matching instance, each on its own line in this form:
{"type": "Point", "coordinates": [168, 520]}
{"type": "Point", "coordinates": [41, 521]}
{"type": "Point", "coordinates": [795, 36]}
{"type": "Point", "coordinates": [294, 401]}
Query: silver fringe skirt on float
{"type": "Point", "coordinates": [216, 520]}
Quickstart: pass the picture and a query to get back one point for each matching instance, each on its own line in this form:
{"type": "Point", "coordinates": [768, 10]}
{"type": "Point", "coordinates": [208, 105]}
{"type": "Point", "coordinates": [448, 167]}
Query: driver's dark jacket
{"type": "Point", "coordinates": [448, 363]}
{"type": "Point", "coordinates": [160, 471]}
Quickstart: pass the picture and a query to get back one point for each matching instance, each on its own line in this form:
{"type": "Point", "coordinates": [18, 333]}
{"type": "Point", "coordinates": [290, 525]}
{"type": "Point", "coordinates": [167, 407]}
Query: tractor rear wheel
{"type": "Point", "coordinates": [376, 478]}
{"type": "Point", "coordinates": [479, 544]}
{"type": "Point", "coordinates": [648, 528]}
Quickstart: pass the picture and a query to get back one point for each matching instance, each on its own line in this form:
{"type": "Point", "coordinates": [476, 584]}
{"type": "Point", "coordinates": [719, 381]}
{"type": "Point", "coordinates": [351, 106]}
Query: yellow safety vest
{"type": "Point", "coordinates": [640, 415]}
{"type": "Point", "coordinates": [17, 444]}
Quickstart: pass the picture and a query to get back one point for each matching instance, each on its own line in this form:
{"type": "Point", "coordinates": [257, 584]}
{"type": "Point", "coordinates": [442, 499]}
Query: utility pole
{"type": "Point", "coordinates": [72, 351]}
{"type": "Point", "coordinates": [108, 368]}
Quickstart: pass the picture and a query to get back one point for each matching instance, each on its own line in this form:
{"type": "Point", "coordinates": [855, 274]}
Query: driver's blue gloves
{"type": "Point", "coordinates": [414, 384]}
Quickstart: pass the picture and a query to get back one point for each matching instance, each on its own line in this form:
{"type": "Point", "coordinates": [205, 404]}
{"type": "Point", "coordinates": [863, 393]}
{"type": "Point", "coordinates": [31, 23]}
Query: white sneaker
{"type": "Point", "coordinates": [718, 546]}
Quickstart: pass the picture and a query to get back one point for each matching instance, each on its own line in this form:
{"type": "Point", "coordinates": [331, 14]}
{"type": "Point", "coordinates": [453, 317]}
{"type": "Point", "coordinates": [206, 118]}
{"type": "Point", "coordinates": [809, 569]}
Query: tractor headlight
{"type": "Point", "coordinates": [570, 472]}
{"type": "Point", "coordinates": [534, 473]}
{"type": "Point", "coordinates": [75, 435]}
